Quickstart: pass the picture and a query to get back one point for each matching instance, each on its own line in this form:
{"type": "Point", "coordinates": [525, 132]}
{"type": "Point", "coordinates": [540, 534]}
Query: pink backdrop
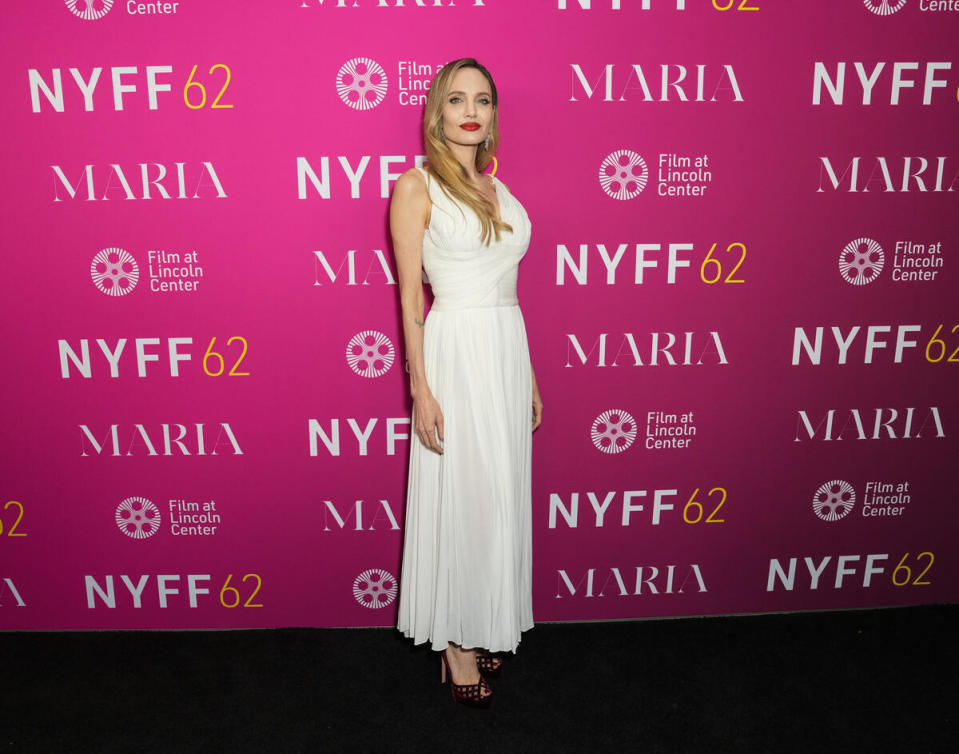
{"type": "Point", "coordinates": [701, 451]}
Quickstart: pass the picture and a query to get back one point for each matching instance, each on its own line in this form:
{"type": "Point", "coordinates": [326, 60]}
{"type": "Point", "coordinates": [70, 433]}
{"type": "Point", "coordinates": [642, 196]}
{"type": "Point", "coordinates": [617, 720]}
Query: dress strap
{"type": "Point", "coordinates": [429, 193]}
{"type": "Point", "coordinates": [429, 182]}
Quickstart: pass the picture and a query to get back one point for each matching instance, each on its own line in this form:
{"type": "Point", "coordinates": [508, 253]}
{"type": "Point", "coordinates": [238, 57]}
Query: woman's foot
{"type": "Point", "coordinates": [488, 664]}
{"type": "Point", "coordinates": [463, 668]}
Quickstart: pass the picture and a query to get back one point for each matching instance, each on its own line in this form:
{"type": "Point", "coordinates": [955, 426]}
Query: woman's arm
{"type": "Point", "coordinates": [409, 213]}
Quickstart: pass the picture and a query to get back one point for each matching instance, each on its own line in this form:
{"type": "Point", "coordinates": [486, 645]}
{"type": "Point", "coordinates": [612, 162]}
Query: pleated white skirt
{"type": "Point", "coordinates": [466, 574]}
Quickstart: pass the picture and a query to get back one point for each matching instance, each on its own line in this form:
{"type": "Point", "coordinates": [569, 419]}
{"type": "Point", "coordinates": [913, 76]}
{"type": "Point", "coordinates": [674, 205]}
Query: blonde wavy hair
{"type": "Point", "coordinates": [452, 176]}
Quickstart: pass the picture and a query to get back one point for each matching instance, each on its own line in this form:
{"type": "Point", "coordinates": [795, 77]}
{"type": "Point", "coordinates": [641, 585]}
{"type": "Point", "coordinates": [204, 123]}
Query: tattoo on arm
{"type": "Point", "coordinates": [418, 321]}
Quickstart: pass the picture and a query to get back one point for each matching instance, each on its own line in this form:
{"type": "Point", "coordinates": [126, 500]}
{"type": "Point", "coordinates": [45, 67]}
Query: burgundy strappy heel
{"type": "Point", "coordinates": [471, 694]}
{"type": "Point", "coordinates": [489, 666]}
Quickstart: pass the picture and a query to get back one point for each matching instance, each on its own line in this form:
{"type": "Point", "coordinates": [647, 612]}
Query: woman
{"type": "Point", "coordinates": [466, 578]}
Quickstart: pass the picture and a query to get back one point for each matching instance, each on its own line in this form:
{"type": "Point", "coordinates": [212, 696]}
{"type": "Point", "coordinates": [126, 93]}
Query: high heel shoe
{"type": "Point", "coordinates": [489, 666]}
{"type": "Point", "coordinates": [471, 694]}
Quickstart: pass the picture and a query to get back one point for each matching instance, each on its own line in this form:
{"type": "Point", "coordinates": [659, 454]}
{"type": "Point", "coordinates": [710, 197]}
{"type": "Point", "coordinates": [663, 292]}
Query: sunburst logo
{"type": "Point", "coordinates": [361, 83]}
{"type": "Point", "coordinates": [114, 271]}
{"type": "Point", "coordinates": [613, 431]}
{"type": "Point", "coordinates": [861, 261]}
{"type": "Point", "coordinates": [89, 10]}
{"type": "Point", "coordinates": [884, 7]}
{"type": "Point", "coordinates": [623, 174]}
{"type": "Point", "coordinates": [370, 353]}
{"type": "Point", "coordinates": [137, 517]}
{"type": "Point", "coordinates": [834, 500]}
{"type": "Point", "coordinates": [374, 588]}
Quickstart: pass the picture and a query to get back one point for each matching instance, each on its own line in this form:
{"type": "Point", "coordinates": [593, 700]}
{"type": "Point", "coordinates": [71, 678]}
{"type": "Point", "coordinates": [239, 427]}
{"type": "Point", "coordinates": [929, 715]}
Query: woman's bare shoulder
{"type": "Point", "coordinates": [411, 185]}
{"type": "Point", "coordinates": [411, 199]}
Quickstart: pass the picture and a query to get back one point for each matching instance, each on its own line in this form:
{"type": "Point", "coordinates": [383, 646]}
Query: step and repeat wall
{"type": "Point", "coordinates": [740, 297]}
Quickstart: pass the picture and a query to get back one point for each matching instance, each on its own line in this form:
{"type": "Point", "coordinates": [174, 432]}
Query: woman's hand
{"type": "Point", "coordinates": [537, 404]}
{"type": "Point", "coordinates": [429, 421]}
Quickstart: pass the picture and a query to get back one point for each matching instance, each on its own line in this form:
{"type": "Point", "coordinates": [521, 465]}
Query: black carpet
{"type": "Point", "coordinates": [856, 681]}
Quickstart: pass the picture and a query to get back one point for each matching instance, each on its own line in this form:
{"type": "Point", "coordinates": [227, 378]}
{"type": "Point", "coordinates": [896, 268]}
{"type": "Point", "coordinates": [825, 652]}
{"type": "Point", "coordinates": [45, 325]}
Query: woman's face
{"type": "Point", "coordinates": [468, 111]}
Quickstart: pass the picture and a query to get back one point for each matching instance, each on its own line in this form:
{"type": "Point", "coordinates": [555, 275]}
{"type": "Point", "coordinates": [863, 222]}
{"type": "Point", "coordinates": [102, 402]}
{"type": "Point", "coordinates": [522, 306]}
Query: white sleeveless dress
{"type": "Point", "coordinates": [466, 575]}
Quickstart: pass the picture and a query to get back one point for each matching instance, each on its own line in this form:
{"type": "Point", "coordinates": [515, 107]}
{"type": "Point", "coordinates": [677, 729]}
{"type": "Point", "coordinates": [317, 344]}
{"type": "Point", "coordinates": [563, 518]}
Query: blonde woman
{"type": "Point", "coordinates": [466, 578]}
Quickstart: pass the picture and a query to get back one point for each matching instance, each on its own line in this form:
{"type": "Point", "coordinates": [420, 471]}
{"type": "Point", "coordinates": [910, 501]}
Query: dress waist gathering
{"type": "Point", "coordinates": [455, 293]}
{"type": "Point", "coordinates": [442, 305]}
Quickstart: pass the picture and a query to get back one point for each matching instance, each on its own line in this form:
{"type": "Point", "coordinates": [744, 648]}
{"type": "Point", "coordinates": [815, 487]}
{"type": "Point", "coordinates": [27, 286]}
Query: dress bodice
{"type": "Point", "coordinates": [462, 271]}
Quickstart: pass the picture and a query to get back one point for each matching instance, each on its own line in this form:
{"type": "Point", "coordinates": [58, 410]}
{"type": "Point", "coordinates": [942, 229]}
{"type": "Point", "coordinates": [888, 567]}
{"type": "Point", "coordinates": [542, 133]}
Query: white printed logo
{"type": "Point", "coordinates": [114, 271]}
{"type": "Point", "coordinates": [137, 517]}
{"type": "Point", "coordinates": [374, 588]}
{"type": "Point", "coordinates": [89, 10]}
{"type": "Point", "coordinates": [613, 431]}
{"type": "Point", "coordinates": [7, 584]}
{"type": "Point", "coordinates": [370, 353]}
{"type": "Point", "coordinates": [834, 500]}
{"type": "Point", "coordinates": [361, 83]}
{"type": "Point", "coordinates": [861, 261]}
{"type": "Point", "coordinates": [884, 7]}
{"type": "Point", "coordinates": [623, 174]}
